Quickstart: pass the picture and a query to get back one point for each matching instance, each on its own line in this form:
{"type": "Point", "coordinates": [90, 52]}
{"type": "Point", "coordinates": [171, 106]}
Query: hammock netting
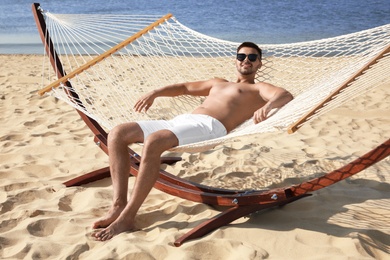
{"type": "Point", "coordinates": [169, 52]}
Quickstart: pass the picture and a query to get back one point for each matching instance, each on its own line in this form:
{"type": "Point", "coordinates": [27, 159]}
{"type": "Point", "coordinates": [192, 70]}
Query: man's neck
{"type": "Point", "coordinates": [248, 80]}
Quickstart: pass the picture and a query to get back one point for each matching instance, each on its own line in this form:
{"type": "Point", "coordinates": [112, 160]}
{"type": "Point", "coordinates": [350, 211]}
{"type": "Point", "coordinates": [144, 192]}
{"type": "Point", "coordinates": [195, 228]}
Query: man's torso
{"type": "Point", "coordinates": [232, 103]}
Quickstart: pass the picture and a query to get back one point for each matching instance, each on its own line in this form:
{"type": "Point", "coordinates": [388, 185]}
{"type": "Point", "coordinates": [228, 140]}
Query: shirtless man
{"type": "Point", "coordinates": [228, 104]}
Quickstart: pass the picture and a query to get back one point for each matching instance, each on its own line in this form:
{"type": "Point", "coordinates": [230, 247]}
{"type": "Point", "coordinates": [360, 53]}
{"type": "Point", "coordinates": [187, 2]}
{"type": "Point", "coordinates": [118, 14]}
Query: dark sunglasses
{"type": "Point", "coordinates": [251, 57]}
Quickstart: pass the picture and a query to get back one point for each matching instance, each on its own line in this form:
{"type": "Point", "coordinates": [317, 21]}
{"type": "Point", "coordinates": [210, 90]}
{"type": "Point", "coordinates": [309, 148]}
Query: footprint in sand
{"type": "Point", "coordinates": [43, 227]}
{"type": "Point", "coordinates": [14, 249]}
{"type": "Point", "coordinates": [12, 137]}
{"type": "Point", "coordinates": [23, 197]}
{"type": "Point", "coordinates": [7, 225]}
{"type": "Point", "coordinates": [33, 123]}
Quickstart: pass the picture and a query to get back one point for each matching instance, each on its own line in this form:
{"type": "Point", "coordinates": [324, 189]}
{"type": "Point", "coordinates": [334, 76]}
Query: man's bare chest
{"type": "Point", "coordinates": [237, 93]}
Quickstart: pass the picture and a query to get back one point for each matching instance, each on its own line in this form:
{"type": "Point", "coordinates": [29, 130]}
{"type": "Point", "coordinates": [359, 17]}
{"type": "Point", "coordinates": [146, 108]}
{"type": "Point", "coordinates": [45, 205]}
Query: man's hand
{"type": "Point", "coordinates": [276, 97]}
{"type": "Point", "coordinates": [261, 114]}
{"type": "Point", "coordinates": [145, 102]}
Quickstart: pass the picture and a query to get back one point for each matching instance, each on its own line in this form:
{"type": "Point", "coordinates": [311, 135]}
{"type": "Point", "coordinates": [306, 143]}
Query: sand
{"type": "Point", "coordinates": [43, 143]}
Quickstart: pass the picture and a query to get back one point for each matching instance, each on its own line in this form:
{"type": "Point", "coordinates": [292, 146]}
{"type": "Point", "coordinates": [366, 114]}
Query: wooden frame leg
{"type": "Point", "coordinates": [89, 177]}
{"type": "Point", "coordinates": [227, 217]}
{"type": "Point", "coordinates": [105, 173]}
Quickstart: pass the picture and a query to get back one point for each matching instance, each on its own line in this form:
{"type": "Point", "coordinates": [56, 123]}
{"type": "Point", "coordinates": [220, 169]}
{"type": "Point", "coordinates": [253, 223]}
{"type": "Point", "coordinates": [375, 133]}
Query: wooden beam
{"type": "Point", "coordinates": [294, 127]}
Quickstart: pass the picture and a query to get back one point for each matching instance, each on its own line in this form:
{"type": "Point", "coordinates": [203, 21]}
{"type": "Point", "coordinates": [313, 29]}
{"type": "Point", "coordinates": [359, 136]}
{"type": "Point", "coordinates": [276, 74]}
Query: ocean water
{"type": "Point", "coordinates": [260, 21]}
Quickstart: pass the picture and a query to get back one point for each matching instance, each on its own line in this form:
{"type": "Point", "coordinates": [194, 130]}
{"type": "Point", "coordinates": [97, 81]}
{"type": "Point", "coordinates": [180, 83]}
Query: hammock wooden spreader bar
{"type": "Point", "coordinates": [102, 56]}
{"type": "Point", "coordinates": [294, 127]}
{"type": "Point", "coordinates": [241, 202]}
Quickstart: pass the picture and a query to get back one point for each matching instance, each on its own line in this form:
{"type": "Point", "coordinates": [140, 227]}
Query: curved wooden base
{"type": "Point", "coordinates": [227, 217]}
{"type": "Point", "coordinates": [241, 203]}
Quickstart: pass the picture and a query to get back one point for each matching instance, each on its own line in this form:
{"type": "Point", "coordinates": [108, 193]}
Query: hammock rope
{"type": "Point", "coordinates": [112, 60]}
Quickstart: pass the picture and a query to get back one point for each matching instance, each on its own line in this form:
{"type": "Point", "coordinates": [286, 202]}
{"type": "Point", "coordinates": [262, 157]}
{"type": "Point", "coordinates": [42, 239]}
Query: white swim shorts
{"type": "Point", "coordinates": [188, 128]}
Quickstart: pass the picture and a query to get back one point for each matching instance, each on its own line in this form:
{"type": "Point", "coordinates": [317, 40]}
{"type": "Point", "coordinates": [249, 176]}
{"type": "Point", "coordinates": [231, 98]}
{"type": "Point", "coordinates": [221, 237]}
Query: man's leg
{"type": "Point", "coordinates": [148, 174]}
{"type": "Point", "coordinates": [119, 139]}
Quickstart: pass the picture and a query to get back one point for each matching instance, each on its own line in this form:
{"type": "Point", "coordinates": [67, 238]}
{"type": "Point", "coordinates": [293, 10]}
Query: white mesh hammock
{"type": "Point", "coordinates": [112, 60]}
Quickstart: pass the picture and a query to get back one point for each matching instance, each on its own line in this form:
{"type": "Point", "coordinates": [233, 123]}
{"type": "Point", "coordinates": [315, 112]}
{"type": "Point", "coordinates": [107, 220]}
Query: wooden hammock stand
{"type": "Point", "coordinates": [240, 203]}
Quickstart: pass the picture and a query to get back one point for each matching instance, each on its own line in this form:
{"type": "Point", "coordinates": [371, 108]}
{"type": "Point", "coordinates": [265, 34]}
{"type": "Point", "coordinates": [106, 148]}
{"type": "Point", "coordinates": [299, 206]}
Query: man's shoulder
{"type": "Point", "coordinates": [218, 80]}
{"type": "Point", "coordinates": [214, 82]}
{"type": "Point", "coordinates": [263, 84]}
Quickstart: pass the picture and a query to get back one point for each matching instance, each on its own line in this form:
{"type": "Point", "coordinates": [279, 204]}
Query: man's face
{"type": "Point", "coordinates": [247, 61]}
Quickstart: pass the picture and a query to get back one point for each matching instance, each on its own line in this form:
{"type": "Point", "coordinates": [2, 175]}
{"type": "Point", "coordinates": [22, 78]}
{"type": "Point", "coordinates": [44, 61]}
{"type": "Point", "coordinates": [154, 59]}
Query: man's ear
{"type": "Point", "coordinates": [260, 64]}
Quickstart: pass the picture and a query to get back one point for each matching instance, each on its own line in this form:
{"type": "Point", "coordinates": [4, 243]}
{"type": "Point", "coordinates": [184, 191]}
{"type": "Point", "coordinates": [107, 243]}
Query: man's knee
{"type": "Point", "coordinates": [126, 133]}
{"type": "Point", "coordinates": [160, 141]}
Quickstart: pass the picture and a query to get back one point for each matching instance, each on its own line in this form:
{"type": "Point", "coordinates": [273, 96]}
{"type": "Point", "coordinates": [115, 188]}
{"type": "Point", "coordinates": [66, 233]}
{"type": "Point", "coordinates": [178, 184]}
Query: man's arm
{"type": "Point", "coordinates": [275, 97]}
{"type": "Point", "coordinates": [197, 88]}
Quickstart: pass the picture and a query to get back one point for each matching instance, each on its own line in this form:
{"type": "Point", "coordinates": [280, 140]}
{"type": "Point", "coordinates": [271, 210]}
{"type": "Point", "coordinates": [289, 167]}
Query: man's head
{"type": "Point", "coordinates": [250, 45]}
{"type": "Point", "coordinates": [248, 59]}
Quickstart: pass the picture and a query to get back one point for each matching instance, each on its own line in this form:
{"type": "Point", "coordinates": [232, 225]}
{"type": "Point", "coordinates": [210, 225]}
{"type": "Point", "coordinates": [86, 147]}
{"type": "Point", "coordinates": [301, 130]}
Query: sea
{"type": "Point", "coordinates": [260, 21]}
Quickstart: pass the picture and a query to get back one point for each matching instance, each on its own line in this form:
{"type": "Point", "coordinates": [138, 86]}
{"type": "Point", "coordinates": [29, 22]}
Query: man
{"type": "Point", "coordinates": [227, 105]}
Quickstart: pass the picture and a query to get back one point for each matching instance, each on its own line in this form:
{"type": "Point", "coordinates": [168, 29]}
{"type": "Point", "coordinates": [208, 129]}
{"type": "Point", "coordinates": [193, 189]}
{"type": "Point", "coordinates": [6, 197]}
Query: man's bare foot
{"type": "Point", "coordinates": [118, 226]}
{"type": "Point", "coordinates": [110, 217]}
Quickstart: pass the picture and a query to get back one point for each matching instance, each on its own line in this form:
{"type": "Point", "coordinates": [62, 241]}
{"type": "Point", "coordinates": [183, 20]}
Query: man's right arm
{"type": "Point", "coordinates": [197, 88]}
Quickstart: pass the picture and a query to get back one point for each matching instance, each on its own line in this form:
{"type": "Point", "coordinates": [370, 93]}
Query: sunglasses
{"type": "Point", "coordinates": [251, 57]}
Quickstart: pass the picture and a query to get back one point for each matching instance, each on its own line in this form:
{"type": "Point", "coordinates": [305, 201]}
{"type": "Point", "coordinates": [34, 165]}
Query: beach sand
{"type": "Point", "coordinates": [43, 142]}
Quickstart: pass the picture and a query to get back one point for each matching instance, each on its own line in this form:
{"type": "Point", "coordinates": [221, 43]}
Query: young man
{"type": "Point", "coordinates": [227, 105]}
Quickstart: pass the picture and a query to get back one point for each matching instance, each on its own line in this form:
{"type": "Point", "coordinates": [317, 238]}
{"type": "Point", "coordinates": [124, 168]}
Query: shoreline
{"type": "Point", "coordinates": [24, 44]}
{"type": "Point", "coordinates": [21, 49]}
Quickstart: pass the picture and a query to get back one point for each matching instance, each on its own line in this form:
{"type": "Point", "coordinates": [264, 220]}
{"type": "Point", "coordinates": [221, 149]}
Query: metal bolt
{"type": "Point", "coordinates": [274, 197]}
{"type": "Point", "coordinates": [235, 201]}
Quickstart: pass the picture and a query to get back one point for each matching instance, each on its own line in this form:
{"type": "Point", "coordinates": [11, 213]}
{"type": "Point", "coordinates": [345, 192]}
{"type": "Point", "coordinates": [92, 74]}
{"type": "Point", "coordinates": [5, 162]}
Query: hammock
{"type": "Point", "coordinates": [101, 64]}
{"type": "Point", "coordinates": [110, 70]}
